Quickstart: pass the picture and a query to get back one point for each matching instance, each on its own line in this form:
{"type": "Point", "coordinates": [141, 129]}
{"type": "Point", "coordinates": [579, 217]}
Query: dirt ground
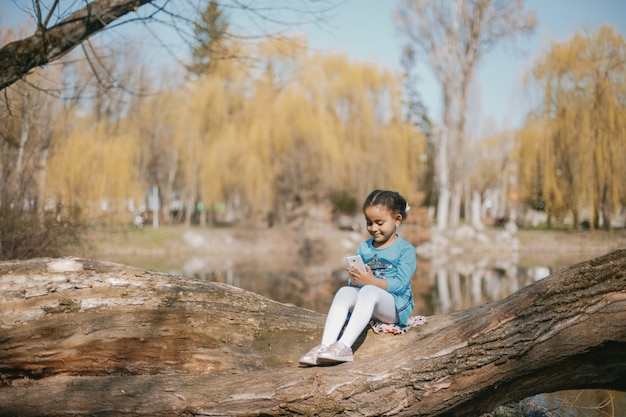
{"type": "Point", "coordinates": [535, 245]}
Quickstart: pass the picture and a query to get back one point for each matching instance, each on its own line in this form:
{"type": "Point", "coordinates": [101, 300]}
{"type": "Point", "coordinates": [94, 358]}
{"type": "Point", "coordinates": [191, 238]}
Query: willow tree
{"type": "Point", "coordinates": [453, 37]}
{"type": "Point", "coordinates": [57, 30]}
{"type": "Point", "coordinates": [296, 127]}
{"type": "Point", "coordinates": [579, 155]}
{"type": "Point", "coordinates": [263, 140]}
{"type": "Point", "coordinates": [529, 148]}
{"type": "Point", "coordinates": [205, 108]}
{"type": "Point", "coordinates": [92, 175]}
{"type": "Point", "coordinates": [353, 121]}
{"type": "Point", "coordinates": [373, 143]}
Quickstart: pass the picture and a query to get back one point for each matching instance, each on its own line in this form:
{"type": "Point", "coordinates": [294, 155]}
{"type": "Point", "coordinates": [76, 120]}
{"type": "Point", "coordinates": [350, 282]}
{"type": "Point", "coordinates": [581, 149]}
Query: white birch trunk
{"type": "Point", "coordinates": [475, 211]}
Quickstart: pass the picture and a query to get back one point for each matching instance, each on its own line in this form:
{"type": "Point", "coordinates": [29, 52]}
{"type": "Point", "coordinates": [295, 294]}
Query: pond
{"type": "Point", "coordinates": [440, 287]}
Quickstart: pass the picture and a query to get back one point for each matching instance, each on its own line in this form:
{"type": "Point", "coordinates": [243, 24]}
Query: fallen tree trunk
{"type": "Point", "coordinates": [81, 337]}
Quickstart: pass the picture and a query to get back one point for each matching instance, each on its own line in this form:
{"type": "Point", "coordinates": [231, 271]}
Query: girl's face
{"type": "Point", "coordinates": [382, 224]}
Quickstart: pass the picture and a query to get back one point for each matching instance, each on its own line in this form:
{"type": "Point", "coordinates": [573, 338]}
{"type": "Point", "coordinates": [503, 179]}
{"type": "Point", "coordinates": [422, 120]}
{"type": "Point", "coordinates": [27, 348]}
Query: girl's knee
{"type": "Point", "coordinates": [345, 294]}
{"type": "Point", "coordinates": [370, 292]}
{"type": "Point", "coordinates": [346, 289]}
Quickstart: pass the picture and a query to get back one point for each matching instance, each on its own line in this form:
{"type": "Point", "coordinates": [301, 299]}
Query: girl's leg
{"type": "Point", "coordinates": [371, 302]}
{"type": "Point", "coordinates": [342, 304]}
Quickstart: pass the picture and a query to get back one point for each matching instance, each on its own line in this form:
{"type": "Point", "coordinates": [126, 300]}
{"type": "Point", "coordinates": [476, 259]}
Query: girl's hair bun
{"type": "Point", "coordinates": [390, 199]}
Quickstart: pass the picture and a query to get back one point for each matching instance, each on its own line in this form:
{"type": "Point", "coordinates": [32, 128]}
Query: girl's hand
{"type": "Point", "coordinates": [358, 277]}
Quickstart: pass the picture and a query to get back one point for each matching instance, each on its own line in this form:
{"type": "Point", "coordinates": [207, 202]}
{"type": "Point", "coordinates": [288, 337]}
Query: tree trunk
{"type": "Point", "coordinates": [82, 337]}
{"type": "Point", "coordinates": [476, 220]}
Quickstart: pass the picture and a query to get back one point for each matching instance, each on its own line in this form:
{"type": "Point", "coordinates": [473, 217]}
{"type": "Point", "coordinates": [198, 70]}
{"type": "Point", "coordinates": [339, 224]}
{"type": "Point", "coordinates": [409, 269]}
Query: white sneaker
{"type": "Point", "coordinates": [336, 353]}
{"type": "Point", "coordinates": [310, 359]}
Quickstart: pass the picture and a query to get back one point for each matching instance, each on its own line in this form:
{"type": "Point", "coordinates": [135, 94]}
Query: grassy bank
{"type": "Point", "coordinates": [169, 240]}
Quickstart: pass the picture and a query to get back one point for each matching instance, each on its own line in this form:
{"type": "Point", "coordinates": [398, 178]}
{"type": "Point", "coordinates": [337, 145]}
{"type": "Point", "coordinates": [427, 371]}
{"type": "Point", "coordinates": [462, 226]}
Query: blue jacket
{"type": "Point", "coordinates": [396, 264]}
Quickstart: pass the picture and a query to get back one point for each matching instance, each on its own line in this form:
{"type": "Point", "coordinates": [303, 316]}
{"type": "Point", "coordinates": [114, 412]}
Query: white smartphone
{"type": "Point", "coordinates": [355, 261]}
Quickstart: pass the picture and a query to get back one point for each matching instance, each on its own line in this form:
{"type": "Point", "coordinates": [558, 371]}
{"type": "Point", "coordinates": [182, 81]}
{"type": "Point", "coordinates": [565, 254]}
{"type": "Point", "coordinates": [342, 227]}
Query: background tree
{"type": "Point", "coordinates": [262, 141]}
{"type": "Point", "coordinates": [30, 119]}
{"type": "Point", "coordinates": [493, 178]}
{"type": "Point", "coordinates": [282, 136]}
{"type": "Point", "coordinates": [210, 37]}
{"type": "Point", "coordinates": [417, 113]}
{"type": "Point", "coordinates": [92, 175]}
{"type": "Point", "coordinates": [453, 37]}
{"type": "Point", "coordinates": [575, 160]}
{"type": "Point", "coordinates": [105, 93]}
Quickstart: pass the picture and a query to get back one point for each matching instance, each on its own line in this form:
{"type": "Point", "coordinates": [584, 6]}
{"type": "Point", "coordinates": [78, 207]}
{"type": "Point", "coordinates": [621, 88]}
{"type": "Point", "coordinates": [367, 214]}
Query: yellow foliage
{"type": "Point", "coordinates": [292, 127]}
{"type": "Point", "coordinates": [94, 173]}
{"type": "Point", "coordinates": [342, 119]}
{"type": "Point", "coordinates": [577, 156]}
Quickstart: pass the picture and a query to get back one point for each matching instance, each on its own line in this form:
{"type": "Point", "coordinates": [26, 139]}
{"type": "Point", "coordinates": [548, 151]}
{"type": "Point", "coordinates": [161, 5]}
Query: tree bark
{"type": "Point", "coordinates": [82, 337]}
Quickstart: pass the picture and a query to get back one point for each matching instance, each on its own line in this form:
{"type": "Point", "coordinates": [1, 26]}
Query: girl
{"type": "Point", "coordinates": [382, 292]}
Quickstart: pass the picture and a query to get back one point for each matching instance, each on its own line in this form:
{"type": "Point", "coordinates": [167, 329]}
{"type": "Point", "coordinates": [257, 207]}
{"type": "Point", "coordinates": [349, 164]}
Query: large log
{"type": "Point", "coordinates": [82, 337]}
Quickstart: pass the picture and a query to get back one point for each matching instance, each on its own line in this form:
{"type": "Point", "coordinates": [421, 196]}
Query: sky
{"type": "Point", "coordinates": [364, 30]}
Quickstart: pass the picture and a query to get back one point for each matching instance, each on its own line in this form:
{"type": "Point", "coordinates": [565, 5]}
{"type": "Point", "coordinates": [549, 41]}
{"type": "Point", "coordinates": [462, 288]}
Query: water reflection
{"type": "Point", "coordinates": [438, 290]}
{"type": "Point", "coordinates": [454, 287]}
{"type": "Point", "coordinates": [457, 287]}
{"type": "Point", "coordinates": [310, 287]}
{"type": "Point", "coordinates": [585, 403]}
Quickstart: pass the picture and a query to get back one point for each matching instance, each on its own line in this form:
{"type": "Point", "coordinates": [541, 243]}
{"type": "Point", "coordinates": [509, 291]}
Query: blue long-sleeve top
{"type": "Point", "coordinates": [396, 264]}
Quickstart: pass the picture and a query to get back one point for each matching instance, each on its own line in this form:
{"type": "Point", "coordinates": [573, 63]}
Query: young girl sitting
{"type": "Point", "coordinates": [382, 292]}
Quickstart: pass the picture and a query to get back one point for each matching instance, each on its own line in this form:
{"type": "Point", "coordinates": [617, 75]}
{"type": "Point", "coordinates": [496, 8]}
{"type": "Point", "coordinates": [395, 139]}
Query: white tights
{"type": "Point", "coordinates": [365, 303]}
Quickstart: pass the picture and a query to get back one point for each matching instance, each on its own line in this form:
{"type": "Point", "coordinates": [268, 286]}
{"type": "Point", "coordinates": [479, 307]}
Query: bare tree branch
{"type": "Point", "coordinates": [47, 44]}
